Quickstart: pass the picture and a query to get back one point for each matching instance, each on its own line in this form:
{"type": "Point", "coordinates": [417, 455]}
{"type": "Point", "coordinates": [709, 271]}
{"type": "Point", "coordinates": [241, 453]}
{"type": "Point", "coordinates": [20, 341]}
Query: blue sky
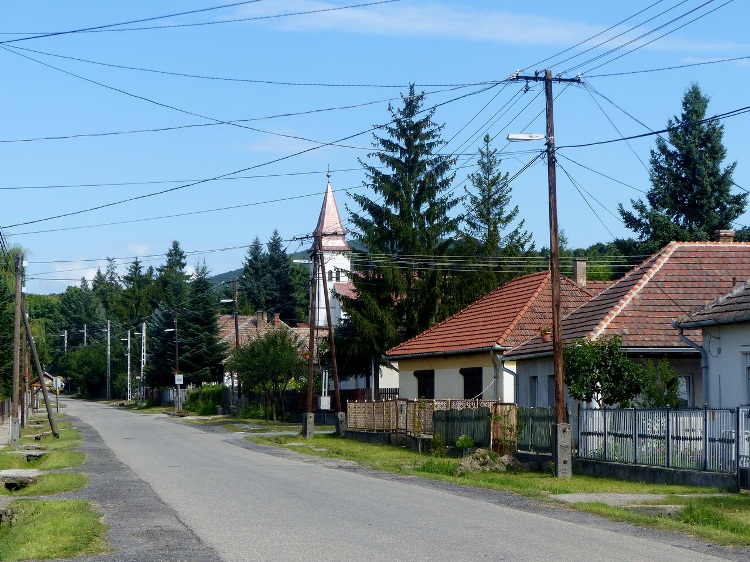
{"type": "Point", "coordinates": [351, 62]}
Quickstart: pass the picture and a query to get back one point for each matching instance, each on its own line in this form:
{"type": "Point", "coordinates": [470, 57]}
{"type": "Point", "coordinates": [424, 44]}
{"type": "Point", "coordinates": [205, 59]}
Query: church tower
{"type": "Point", "coordinates": [336, 259]}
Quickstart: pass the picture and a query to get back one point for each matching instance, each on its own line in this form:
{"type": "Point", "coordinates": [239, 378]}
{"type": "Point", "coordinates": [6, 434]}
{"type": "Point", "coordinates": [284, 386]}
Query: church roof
{"type": "Point", "coordinates": [330, 228]}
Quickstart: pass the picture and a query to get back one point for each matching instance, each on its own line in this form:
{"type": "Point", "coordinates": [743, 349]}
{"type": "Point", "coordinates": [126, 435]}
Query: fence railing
{"type": "Point", "coordinates": [535, 429]}
{"type": "Point", "coordinates": [688, 439]}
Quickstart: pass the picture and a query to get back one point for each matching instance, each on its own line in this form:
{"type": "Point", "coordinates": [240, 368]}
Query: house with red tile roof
{"type": "Point", "coordinates": [464, 355]}
{"type": "Point", "coordinates": [640, 308]}
{"type": "Point", "coordinates": [725, 349]}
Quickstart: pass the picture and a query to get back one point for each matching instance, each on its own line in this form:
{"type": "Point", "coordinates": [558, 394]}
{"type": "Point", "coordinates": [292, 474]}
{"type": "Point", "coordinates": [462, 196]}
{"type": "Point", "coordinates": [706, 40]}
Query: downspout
{"type": "Point", "coordinates": [499, 363]}
{"type": "Point", "coordinates": [704, 360]}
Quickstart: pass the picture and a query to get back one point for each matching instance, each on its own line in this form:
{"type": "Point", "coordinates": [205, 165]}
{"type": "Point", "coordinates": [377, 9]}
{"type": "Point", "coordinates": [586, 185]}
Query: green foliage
{"type": "Point", "coordinates": [601, 371]}
{"type": "Point", "coordinates": [205, 399]}
{"type": "Point", "coordinates": [7, 308]}
{"type": "Point", "coordinates": [87, 369]}
{"type": "Point", "coordinates": [201, 350]}
{"type": "Point", "coordinates": [252, 411]}
{"type": "Point", "coordinates": [408, 215]}
{"type": "Point", "coordinates": [438, 445]}
{"type": "Point", "coordinates": [489, 230]}
{"type": "Point", "coordinates": [661, 388]}
{"type": "Point", "coordinates": [690, 195]}
{"type": "Point", "coordinates": [269, 363]}
{"type": "Point", "coordinates": [464, 442]}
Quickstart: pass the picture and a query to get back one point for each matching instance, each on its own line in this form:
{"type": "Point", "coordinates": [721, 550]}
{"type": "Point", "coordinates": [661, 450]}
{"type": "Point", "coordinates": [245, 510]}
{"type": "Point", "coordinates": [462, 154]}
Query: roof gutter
{"type": "Point", "coordinates": [496, 353]}
{"type": "Point", "coordinates": [709, 322]}
{"type": "Point", "coordinates": [704, 358]}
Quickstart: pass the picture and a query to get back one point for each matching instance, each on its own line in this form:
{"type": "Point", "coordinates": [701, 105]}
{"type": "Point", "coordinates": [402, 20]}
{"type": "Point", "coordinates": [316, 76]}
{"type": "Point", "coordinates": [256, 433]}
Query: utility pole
{"type": "Point", "coordinates": [143, 361]}
{"type": "Point", "coordinates": [109, 352]}
{"type": "Point", "coordinates": [337, 395]}
{"type": "Point", "coordinates": [563, 443]}
{"type": "Point", "coordinates": [309, 425]}
{"type": "Point", "coordinates": [130, 393]}
{"type": "Point", "coordinates": [236, 331]}
{"type": "Point", "coordinates": [85, 335]}
{"type": "Point", "coordinates": [15, 421]}
{"type": "Point", "coordinates": [64, 335]}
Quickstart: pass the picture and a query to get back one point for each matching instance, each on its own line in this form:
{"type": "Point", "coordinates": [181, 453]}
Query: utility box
{"type": "Point", "coordinates": [324, 402]}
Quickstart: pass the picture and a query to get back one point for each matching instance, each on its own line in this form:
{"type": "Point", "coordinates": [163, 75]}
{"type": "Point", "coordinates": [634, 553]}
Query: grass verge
{"type": "Point", "coordinates": [43, 530]}
{"type": "Point", "coordinates": [721, 519]}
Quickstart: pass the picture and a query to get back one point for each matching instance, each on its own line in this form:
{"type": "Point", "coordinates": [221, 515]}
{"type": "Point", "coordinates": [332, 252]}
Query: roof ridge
{"type": "Point", "coordinates": [659, 261]}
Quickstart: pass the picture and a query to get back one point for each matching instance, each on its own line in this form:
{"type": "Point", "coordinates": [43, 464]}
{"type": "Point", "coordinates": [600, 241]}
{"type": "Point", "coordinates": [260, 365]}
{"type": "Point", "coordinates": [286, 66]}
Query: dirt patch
{"type": "Point", "coordinates": [483, 460]}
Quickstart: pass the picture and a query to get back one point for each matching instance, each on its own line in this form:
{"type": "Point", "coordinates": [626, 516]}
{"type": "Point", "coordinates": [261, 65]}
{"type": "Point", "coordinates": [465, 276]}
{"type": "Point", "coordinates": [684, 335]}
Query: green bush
{"type": "Point", "coordinates": [464, 442]}
{"type": "Point", "coordinates": [252, 411]}
{"type": "Point", "coordinates": [204, 400]}
{"type": "Point", "coordinates": [438, 445]}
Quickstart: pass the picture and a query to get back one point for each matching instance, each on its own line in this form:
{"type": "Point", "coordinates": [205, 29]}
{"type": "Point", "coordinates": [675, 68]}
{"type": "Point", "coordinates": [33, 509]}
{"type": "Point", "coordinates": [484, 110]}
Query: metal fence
{"type": "Point", "coordinates": [688, 439]}
{"type": "Point", "coordinates": [534, 429]}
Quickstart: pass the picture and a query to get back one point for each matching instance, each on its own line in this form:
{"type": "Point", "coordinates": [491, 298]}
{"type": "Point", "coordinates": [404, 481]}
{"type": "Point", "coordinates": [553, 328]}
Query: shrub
{"type": "Point", "coordinates": [438, 445]}
{"type": "Point", "coordinates": [204, 400]}
{"type": "Point", "coordinates": [464, 442]}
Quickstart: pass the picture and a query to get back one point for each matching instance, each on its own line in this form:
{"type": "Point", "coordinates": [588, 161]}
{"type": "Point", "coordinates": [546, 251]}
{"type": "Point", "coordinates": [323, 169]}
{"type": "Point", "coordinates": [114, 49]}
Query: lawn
{"type": "Point", "coordinates": [723, 519]}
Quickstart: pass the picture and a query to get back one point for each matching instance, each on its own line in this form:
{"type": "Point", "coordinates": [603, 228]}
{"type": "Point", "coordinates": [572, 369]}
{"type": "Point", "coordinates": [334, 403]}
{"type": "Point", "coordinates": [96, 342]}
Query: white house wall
{"type": "Point", "coordinates": [449, 383]}
{"type": "Point", "coordinates": [728, 348]}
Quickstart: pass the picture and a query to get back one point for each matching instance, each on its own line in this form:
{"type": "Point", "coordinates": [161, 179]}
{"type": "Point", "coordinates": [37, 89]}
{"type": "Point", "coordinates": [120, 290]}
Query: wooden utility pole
{"type": "Point", "coordinates": [39, 372]}
{"type": "Point", "coordinates": [563, 444]}
{"type": "Point", "coordinates": [236, 331]}
{"type": "Point", "coordinates": [309, 424]}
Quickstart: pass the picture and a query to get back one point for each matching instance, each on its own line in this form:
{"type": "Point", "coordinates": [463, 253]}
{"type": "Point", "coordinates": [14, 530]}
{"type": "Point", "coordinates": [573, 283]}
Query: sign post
{"type": "Point", "coordinates": [178, 382]}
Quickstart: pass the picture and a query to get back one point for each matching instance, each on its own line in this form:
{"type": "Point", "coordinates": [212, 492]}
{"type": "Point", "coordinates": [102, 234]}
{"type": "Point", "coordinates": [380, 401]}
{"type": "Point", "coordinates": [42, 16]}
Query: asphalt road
{"type": "Point", "coordinates": [172, 491]}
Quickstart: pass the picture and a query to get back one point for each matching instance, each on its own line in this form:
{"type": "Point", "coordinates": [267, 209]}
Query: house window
{"type": "Point", "coordinates": [551, 391]}
{"type": "Point", "coordinates": [425, 383]}
{"type": "Point", "coordinates": [338, 276]}
{"type": "Point", "coordinates": [472, 382]}
{"type": "Point", "coordinates": [330, 275]}
{"type": "Point", "coordinates": [684, 390]}
{"type": "Point", "coordinates": [533, 388]}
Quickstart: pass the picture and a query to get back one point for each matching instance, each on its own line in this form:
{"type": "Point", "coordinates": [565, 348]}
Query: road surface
{"type": "Point", "coordinates": [181, 492]}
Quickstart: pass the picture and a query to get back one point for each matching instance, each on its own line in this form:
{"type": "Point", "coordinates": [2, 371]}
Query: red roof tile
{"type": "Point", "coordinates": [508, 316]}
{"type": "Point", "coordinates": [640, 306]}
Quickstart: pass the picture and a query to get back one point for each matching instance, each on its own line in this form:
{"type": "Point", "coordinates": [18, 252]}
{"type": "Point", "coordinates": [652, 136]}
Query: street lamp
{"type": "Point", "coordinates": [562, 451]}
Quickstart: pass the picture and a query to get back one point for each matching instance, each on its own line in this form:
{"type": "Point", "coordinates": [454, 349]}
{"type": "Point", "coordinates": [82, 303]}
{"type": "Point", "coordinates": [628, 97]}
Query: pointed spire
{"type": "Point", "coordinates": [330, 228]}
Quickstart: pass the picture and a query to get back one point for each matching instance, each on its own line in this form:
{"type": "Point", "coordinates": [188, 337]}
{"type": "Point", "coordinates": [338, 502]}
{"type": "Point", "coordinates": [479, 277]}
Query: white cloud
{"type": "Point", "coordinates": [439, 20]}
{"type": "Point", "coordinates": [138, 249]}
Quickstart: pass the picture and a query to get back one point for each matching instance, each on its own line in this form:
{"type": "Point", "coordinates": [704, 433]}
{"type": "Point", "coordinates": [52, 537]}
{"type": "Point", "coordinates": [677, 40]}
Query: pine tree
{"type": "Point", "coordinates": [106, 286]}
{"type": "Point", "coordinates": [281, 297]}
{"type": "Point", "coordinates": [171, 277]}
{"type": "Point", "coordinates": [488, 229]}
{"type": "Point", "coordinates": [398, 295]}
{"type": "Point", "coordinates": [201, 350]}
{"type": "Point", "coordinates": [690, 195]}
{"type": "Point", "coordinates": [255, 277]}
{"type": "Point", "coordinates": [134, 303]}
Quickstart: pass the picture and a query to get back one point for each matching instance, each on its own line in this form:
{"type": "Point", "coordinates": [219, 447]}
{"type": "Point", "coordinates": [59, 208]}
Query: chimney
{"type": "Point", "coordinates": [262, 316]}
{"type": "Point", "coordinates": [724, 236]}
{"type": "Point", "coordinates": [276, 319]}
{"type": "Point", "coordinates": [579, 272]}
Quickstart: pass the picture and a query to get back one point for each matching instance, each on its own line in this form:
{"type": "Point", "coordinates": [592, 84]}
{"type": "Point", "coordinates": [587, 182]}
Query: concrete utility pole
{"type": "Point", "coordinates": [143, 361]}
{"type": "Point", "coordinates": [236, 331]}
{"type": "Point", "coordinates": [109, 352]}
{"type": "Point", "coordinates": [563, 443]}
{"type": "Point", "coordinates": [15, 419]}
{"type": "Point", "coordinates": [130, 392]}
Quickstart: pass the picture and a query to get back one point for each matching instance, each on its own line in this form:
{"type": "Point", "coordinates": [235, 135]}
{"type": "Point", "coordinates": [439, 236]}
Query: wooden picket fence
{"type": "Point", "coordinates": [488, 423]}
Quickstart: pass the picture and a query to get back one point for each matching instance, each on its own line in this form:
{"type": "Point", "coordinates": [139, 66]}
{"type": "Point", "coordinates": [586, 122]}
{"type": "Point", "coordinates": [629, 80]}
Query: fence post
{"type": "Point", "coordinates": [604, 418]}
{"type": "Point", "coordinates": [705, 436]}
{"type": "Point", "coordinates": [635, 436]}
{"type": "Point", "coordinates": [737, 448]}
{"type": "Point", "coordinates": [669, 441]}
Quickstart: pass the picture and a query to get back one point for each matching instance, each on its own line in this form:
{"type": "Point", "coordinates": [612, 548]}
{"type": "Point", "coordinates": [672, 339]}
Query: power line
{"type": "Point", "coordinates": [108, 29]}
{"type": "Point", "coordinates": [206, 180]}
{"type": "Point", "coordinates": [677, 67]}
{"type": "Point", "coordinates": [248, 80]}
{"type": "Point", "coordinates": [129, 22]}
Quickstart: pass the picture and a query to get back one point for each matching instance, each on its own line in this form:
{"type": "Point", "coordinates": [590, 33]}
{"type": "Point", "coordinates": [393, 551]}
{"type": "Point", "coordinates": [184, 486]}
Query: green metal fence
{"type": "Point", "coordinates": [535, 429]}
{"type": "Point", "coordinates": [474, 422]}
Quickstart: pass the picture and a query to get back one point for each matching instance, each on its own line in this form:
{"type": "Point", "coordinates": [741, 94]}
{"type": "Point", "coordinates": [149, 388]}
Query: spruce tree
{"type": "Point", "coordinates": [201, 350]}
{"type": "Point", "coordinates": [489, 233]}
{"type": "Point", "coordinates": [281, 297]}
{"type": "Point", "coordinates": [403, 224]}
{"type": "Point", "coordinates": [690, 195]}
{"type": "Point", "coordinates": [255, 277]}
{"type": "Point", "coordinates": [171, 277]}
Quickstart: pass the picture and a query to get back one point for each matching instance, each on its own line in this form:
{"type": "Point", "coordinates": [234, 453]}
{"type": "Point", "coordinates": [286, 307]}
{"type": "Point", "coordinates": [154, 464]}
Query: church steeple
{"type": "Point", "coordinates": [330, 228]}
